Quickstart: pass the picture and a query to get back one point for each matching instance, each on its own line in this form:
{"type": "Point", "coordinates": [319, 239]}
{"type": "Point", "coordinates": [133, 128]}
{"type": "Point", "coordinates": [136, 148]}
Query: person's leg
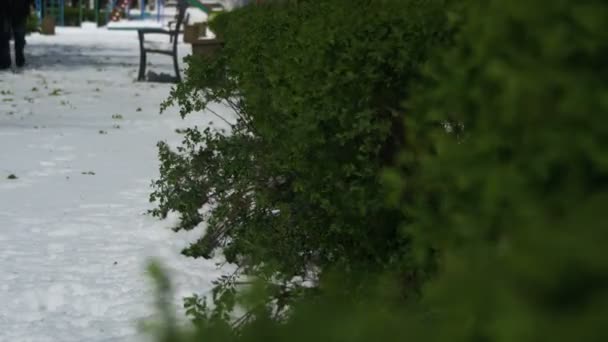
{"type": "Point", "coordinates": [19, 34]}
{"type": "Point", "coordinates": [5, 35]}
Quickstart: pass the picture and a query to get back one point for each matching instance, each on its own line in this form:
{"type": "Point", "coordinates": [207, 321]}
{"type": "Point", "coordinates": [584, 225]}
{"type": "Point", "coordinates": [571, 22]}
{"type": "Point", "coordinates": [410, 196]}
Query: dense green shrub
{"type": "Point", "coordinates": [295, 187]}
{"type": "Point", "coordinates": [503, 174]}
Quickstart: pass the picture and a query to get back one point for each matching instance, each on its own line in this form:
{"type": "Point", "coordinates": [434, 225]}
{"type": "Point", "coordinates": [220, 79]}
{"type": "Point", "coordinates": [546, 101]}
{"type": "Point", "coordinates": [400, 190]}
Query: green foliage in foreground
{"type": "Point", "coordinates": [515, 201]}
{"type": "Point", "coordinates": [502, 173]}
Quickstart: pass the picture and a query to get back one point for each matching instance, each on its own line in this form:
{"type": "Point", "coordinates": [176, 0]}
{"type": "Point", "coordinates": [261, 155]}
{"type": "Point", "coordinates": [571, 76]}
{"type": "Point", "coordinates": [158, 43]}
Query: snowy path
{"type": "Point", "coordinates": [73, 238]}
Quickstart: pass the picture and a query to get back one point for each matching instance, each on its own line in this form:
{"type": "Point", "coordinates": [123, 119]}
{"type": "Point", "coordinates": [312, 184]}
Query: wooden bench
{"type": "Point", "coordinates": [173, 38]}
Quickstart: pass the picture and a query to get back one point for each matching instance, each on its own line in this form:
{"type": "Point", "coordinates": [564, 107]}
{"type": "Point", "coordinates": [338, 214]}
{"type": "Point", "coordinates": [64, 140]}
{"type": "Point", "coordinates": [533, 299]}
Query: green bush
{"type": "Point", "coordinates": [501, 175]}
{"type": "Point", "coordinates": [32, 24]}
{"type": "Point", "coordinates": [295, 188]}
{"type": "Point", "coordinates": [71, 16]}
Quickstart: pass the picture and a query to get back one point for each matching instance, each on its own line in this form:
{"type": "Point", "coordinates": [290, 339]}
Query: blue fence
{"type": "Point", "coordinates": [54, 8]}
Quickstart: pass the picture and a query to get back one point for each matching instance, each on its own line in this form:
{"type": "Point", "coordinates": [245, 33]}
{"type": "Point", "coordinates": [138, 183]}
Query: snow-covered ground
{"type": "Point", "coordinates": [79, 134]}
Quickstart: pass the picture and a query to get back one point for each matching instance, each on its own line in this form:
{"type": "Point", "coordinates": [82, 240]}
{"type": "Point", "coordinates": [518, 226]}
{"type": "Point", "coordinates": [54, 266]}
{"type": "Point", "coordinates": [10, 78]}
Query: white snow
{"type": "Point", "coordinates": [167, 14]}
{"type": "Point", "coordinates": [195, 15]}
{"type": "Point", "coordinates": [74, 240]}
{"type": "Point", "coordinates": [134, 24]}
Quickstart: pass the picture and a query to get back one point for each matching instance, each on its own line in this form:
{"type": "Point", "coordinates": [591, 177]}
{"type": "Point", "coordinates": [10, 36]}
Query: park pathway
{"type": "Point", "coordinates": [79, 136]}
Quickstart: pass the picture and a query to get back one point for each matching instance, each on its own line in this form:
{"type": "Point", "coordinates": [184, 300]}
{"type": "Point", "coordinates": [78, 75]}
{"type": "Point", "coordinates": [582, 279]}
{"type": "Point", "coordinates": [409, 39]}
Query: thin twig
{"type": "Point", "coordinates": [220, 117]}
{"type": "Point", "coordinates": [242, 319]}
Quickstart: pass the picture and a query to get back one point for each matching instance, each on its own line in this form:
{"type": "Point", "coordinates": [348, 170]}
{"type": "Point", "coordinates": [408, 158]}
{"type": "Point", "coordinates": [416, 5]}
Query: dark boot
{"type": "Point", "coordinates": [5, 52]}
{"type": "Point", "coordinates": [19, 55]}
{"type": "Point", "coordinates": [19, 34]}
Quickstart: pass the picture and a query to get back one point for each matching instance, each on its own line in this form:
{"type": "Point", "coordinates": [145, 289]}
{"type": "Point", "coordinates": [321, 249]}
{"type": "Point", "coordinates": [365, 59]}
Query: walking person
{"type": "Point", "coordinates": [13, 18]}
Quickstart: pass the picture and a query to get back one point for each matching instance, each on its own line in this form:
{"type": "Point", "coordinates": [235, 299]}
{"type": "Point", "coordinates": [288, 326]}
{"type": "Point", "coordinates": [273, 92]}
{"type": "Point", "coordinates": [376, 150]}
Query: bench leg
{"type": "Point", "coordinates": [142, 58]}
{"type": "Point", "coordinates": [176, 67]}
{"type": "Point", "coordinates": [142, 67]}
